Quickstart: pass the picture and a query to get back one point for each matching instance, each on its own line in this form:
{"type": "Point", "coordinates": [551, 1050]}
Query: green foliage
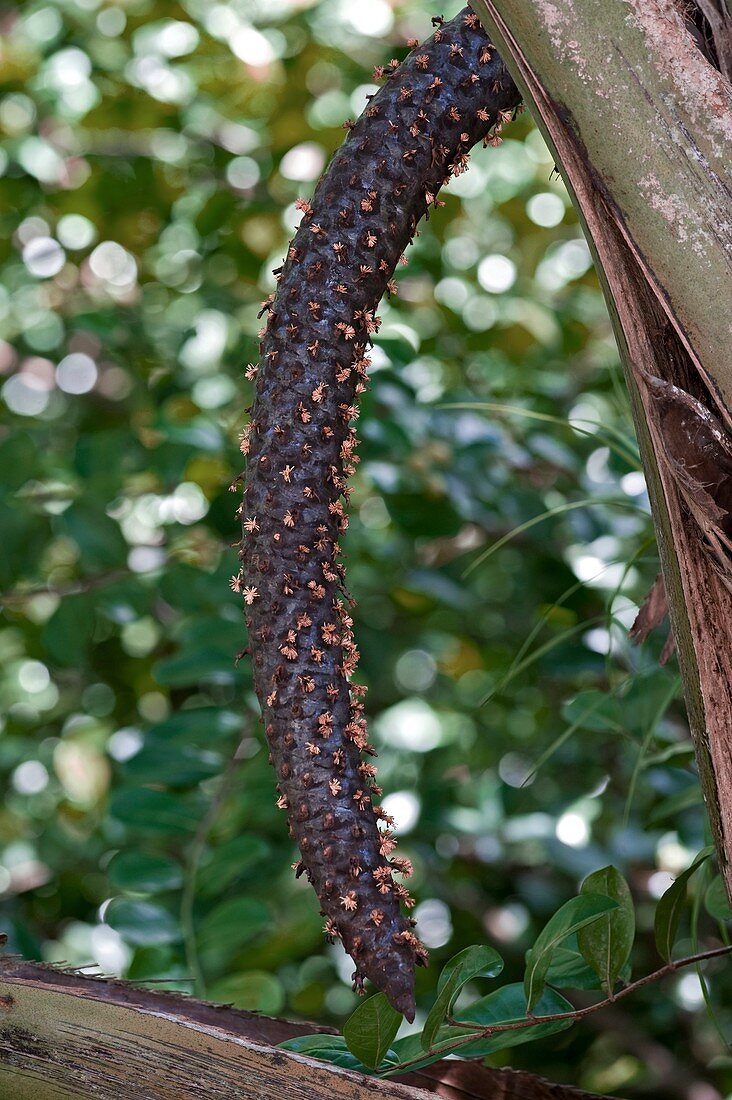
{"type": "Point", "coordinates": [716, 901]}
{"type": "Point", "coordinates": [670, 907]}
{"type": "Point", "coordinates": [234, 922]}
{"type": "Point", "coordinates": [329, 1048]}
{"type": "Point", "coordinates": [602, 922]}
{"type": "Point", "coordinates": [155, 150]}
{"type": "Point", "coordinates": [573, 916]}
{"type": "Point", "coordinates": [152, 811]}
{"type": "Point", "coordinates": [370, 1030]}
{"type": "Point", "coordinates": [473, 962]}
{"type": "Point", "coordinates": [508, 1005]}
{"type": "Point", "coordinates": [144, 873]}
{"type": "Point", "coordinates": [254, 990]}
{"type": "Point", "coordinates": [142, 922]}
{"type": "Point", "coordinates": [568, 970]}
{"type": "Point", "coordinates": [606, 944]}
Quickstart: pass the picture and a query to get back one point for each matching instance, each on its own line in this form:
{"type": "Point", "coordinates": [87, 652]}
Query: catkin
{"type": "Point", "coordinates": [415, 133]}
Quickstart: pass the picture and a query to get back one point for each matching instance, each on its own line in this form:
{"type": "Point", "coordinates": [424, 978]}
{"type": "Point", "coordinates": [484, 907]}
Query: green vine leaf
{"type": "Point", "coordinates": [504, 1006]}
{"type": "Point", "coordinates": [572, 916]}
{"type": "Point", "coordinates": [473, 962]}
{"type": "Point", "coordinates": [668, 910]}
{"type": "Point", "coordinates": [568, 970]}
{"type": "Point", "coordinates": [370, 1030]}
{"type": "Point", "coordinates": [716, 901]}
{"type": "Point", "coordinates": [606, 943]}
{"type": "Point", "coordinates": [327, 1048]}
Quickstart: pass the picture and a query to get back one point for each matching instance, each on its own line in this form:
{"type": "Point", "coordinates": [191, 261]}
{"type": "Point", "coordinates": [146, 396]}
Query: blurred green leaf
{"type": "Point", "coordinates": [669, 808]}
{"type": "Point", "coordinates": [234, 922]}
{"type": "Point", "coordinates": [231, 861]}
{"type": "Point", "coordinates": [253, 991]}
{"type": "Point", "coordinates": [199, 723]}
{"type": "Point", "coordinates": [716, 900]}
{"type": "Point", "coordinates": [195, 667]}
{"type": "Point", "coordinates": [594, 710]}
{"type": "Point", "coordinates": [99, 538]}
{"type": "Point", "coordinates": [152, 811]}
{"type": "Point", "coordinates": [180, 767]}
{"type": "Point", "coordinates": [67, 634]}
{"type": "Point", "coordinates": [144, 873]}
{"type": "Point", "coordinates": [678, 755]}
{"type": "Point", "coordinates": [142, 923]}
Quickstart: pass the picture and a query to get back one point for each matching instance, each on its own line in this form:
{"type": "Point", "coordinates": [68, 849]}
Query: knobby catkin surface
{"type": "Point", "coordinates": [301, 444]}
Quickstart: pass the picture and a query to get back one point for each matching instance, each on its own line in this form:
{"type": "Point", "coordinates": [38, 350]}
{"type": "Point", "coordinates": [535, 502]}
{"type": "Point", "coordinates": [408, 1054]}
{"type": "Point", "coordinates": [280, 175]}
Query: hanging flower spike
{"type": "Point", "coordinates": [301, 446]}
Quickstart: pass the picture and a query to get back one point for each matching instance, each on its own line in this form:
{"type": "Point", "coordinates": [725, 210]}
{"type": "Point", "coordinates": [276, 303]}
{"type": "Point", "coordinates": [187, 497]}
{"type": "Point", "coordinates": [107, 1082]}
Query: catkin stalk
{"type": "Point", "coordinates": [449, 93]}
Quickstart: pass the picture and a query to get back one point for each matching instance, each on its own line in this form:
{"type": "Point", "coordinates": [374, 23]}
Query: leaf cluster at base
{"type": "Point", "coordinates": [586, 944]}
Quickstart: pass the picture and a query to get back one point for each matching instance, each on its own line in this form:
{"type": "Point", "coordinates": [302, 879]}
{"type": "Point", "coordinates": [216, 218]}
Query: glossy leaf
{"type": "Point", "coordinates": [473, 962]}
{"type": "Point", "coordinates": [410, 1049]}
{"type": "Point", "coordinates": [504, 1005]}
{"type": "Point", "coordinates": [568, 970]}
{"type": "Point", "coordinates": [716, 901]}
{"type": "Point", "coordinates": [606, 943]}
{"type": "Point", "coordinates": [572, 916]}
{"type": "Point", "coordinates": [670, 907]}
{"type": "Point", "coordinates": [327, 1048]}
{"type": "Point", "coordinates": [370, 1030]}
{"type": "Point", "coordinates": [508, 1005]}
{"type": "Point", "coordinates": [305, 1044]}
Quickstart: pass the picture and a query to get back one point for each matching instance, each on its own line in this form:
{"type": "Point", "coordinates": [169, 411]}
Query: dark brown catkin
{"type": "Point", "coordinates": [414, 134]}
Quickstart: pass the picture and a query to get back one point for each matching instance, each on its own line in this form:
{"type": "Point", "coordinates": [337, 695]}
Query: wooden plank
{"type": "Point", "coordinates": [62, 1041]}
{"type": "Point", "coordinates": [68, 1037]}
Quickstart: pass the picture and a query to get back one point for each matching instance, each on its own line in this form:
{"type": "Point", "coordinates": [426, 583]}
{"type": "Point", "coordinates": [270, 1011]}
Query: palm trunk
{"type": "Point", "coordinates": [641, 124]}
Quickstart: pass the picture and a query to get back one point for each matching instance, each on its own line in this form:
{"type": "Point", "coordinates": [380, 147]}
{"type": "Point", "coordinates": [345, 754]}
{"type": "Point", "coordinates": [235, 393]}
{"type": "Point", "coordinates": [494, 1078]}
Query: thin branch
{"type": "Point", "coordinates": [478, 1032]}
{"type": "Point", "coordinates": [579, 1013]}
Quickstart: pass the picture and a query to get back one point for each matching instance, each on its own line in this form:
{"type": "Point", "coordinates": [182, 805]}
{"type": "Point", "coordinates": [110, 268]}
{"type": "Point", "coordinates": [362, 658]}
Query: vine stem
{"type": "Point", "coordinates": [195, 852]}
{"type": "Point", "coordinates": [478, 1032]}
